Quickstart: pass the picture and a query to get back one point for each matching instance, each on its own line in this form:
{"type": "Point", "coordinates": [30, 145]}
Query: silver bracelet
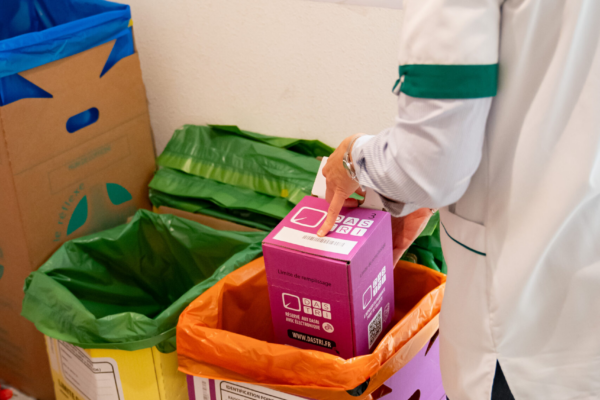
{"type": "Point", "coordinates": [348, 164]}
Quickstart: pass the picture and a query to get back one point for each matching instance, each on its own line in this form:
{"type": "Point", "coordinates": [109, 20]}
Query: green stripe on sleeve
{"type": "Point", "coordinates": [449, 81]}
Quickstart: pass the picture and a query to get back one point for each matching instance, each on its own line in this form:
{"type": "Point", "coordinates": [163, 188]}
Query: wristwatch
{"type": "Point", "coordinates": [348, 165]}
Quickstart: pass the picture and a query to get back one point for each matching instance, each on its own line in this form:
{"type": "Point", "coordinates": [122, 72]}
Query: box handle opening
{"type": "Point", "coordinates": [83, 119]}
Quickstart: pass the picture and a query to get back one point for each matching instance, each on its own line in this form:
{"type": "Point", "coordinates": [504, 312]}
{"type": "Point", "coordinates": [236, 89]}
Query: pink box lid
{"type": "Point", "coordinates": [298, 230]}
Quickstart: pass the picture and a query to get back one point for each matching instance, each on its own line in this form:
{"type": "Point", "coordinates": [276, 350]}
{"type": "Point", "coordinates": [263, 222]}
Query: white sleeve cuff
{"type": "Point", "coordinates": [358, 143]}
{"type": "Point", "coordinates": [427, 158]}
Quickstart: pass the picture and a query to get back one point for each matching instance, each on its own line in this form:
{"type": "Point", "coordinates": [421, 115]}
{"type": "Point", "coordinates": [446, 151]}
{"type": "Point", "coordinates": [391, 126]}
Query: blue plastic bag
{"type": "Point", "coordinates": [37, 32]}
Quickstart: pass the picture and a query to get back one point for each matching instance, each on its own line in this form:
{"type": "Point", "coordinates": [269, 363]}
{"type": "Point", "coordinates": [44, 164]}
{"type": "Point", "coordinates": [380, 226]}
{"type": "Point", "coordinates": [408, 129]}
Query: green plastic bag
{"type": "Point", "coordinates": [313, 148]}
{"type": "Point", "coordinates": [242, 217]}
{"type": "Point", "coordinates": [230, 157]}
{"type": "Point", "coordinates": [124, 288]}
{"type": "Point", "coordinates": [199, 195]}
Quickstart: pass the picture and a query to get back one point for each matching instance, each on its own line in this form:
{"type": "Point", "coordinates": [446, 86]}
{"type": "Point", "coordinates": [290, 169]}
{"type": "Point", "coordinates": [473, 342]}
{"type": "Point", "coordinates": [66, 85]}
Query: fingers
{"type": "Point", "coordinates": [361, 192]}
{"type": "Point", "coordinates": [350, 203]}
{"type": "Point", "coordinates": [335, 206]}
{"type": "Point", "coordinates": [329, 192]}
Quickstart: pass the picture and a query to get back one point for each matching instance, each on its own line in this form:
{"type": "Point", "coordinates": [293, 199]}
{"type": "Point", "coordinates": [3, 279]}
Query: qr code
{"type": "Point", "coordinates": [375, 327]}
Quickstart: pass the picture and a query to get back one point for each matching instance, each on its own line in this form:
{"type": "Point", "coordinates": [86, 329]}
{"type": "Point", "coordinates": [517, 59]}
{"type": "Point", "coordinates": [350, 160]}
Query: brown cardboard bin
{"type": "Point", "coordinates": [56, 185]}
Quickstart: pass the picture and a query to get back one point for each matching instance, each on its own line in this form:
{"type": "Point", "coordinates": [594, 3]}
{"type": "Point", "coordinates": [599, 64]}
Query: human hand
{"type": "Point", "coordinates": [408, 228]}
{"type": "Point", "coordinates": [339, 186]}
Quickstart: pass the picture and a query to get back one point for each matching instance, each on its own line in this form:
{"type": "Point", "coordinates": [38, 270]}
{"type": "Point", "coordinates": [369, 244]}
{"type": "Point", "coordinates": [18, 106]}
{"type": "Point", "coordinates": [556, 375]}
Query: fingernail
{"type": "Point", "coordinates": [320, 233]}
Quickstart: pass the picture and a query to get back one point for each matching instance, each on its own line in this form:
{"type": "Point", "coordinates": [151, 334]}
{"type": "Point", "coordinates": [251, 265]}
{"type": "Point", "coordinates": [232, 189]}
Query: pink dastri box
{"type": "Point", "coordinates": [334, 294]}
{"type": "Point", "coordinates": [420, 379]}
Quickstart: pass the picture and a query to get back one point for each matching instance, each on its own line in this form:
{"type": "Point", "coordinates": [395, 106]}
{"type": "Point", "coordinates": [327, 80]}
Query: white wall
{"type": "Point", "coordinates": [281, 67]}
{"type": "Point", "coordinates": [371, 3]}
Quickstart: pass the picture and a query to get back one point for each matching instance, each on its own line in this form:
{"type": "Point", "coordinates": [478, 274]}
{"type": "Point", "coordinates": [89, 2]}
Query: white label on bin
{"type": "Point", "coordinates": [93, 378]}
{"type": "Point", "coordinates": [224, 390]}
{"type": "Point", "coordinates": [310, 240]}
{"type": "Point", "coordinates": [52, 353]}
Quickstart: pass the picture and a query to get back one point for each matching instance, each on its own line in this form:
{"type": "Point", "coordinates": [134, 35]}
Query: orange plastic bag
{"type": "Point", "coordinates": [227, 334]}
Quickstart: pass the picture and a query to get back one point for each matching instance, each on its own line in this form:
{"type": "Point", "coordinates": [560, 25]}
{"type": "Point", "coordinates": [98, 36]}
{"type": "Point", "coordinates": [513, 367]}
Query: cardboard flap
{"type": "Point", "coordinates": [36, 128]}
{"type": "Point", "coordinates": [76, 70]}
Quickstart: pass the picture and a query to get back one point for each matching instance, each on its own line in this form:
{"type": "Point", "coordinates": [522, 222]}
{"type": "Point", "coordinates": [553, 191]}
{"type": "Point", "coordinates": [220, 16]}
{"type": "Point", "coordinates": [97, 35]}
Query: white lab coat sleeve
{"type": "Point", "coordinates": [428, 157]}
{"type": "Point", "coordinates": [449, 49]}
{"type": "Point", "coordinates": [447, 77]}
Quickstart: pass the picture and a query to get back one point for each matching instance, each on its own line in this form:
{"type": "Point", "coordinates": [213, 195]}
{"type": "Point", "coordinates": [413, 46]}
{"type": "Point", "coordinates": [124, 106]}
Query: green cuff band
{"type": "Point", "coordinates": [449, 81]}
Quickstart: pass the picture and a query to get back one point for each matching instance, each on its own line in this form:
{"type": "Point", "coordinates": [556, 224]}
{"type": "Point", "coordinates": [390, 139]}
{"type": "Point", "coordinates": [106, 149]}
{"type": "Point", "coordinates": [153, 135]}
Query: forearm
{"type": "Point", "coordinates": [428, 157]}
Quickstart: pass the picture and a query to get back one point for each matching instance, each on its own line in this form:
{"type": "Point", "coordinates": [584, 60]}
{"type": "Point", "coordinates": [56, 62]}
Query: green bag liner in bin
{"type": "Point", "coordinates": [230, 157]}
{"type": "Point", "coordinates": [199, 195]}
{"type": "Point", "coordinates": [242, 217]}
{"type": "Point", "coordinates": [124, 288]}
{"type": "Point", "coordinates": [313, 148]}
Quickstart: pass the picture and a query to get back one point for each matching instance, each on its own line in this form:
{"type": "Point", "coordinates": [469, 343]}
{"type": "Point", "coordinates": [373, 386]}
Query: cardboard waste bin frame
{"type": "Point", "coordinates": [146, 374]}
{"type": "Point", "coordinates": [207, 350]}
{"type": "Point", "coordinates": [58, 183]}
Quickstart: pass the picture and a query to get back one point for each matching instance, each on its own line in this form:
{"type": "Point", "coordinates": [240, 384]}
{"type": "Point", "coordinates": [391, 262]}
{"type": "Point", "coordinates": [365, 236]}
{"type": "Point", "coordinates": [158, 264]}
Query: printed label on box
{"type": "Point", "coordinates": [52, 353]}
{"type": "Point", "coordinates": [313, 241]}
{"type": "Point", "coordinates": [93, 378]}
{"type": "Point", "coordinates": [309, 217]}
{"type": "Point", "coordinates": [208, 389]}
{"type": "Point", "coordinates": [291, 302]}
{"type": "Point", "coordinates": [95, 160]}
{"type": "Point", "coordinates": [306, 338]}
{"type": "Point", "coordinates": [375, 327]}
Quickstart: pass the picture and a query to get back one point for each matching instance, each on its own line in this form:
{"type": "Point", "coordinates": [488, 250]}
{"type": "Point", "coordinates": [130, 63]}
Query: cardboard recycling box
{"type": "Point", "coordinates": [146, 374]}
{"type": "Point", "coordinates": [420, 379]}
{"type": "Point", "coordinates": [336, 293]}
{"type": "Point", "coordinates": [70, 165]}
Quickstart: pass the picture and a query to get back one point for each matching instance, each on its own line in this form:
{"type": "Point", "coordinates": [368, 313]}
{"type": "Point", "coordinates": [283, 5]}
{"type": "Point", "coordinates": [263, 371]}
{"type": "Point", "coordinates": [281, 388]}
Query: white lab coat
{"type": "Point", "coordinates": [523, 244]}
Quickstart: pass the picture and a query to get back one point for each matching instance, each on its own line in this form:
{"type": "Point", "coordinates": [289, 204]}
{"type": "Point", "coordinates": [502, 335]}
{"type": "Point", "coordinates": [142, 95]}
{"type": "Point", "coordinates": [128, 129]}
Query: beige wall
{"type": "Point", "coordinates": [281, 67]}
